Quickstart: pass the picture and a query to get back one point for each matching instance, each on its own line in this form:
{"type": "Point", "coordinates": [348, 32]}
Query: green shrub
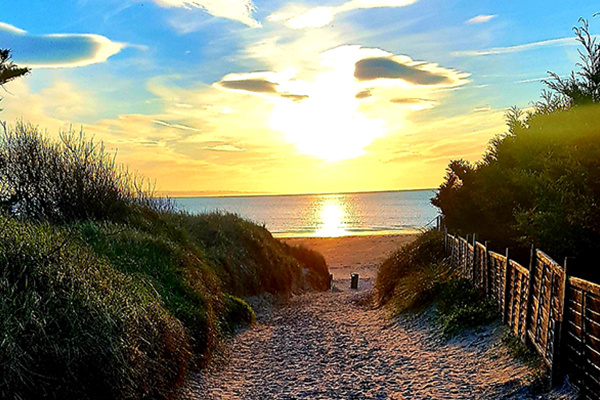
{"type": "Point", "coordinates": [462, 306]}
{"type": "Point", "coordinates": [73, 328]}
{"type": "Point", "coordinates": [237, 312]}
{"type": "Point", "coordinates": [73, 179]}
{"type": "Point", "coordinates": [314, 263]}
{"type": "Point", "coordinates": [410, 273]}
{"type": "Point", "coordinates": [106, 292]}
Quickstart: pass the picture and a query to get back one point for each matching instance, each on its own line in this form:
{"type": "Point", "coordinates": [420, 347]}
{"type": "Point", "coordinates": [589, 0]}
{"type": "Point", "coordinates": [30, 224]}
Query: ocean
{"type": "Point", "coordinates": [326, 215]}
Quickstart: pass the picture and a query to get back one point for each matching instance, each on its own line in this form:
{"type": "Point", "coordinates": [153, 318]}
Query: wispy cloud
{"type": "Point", "coordinates": [57, 50]}
{"type": "Point", "coordinates": [237, 10]}
{"type": "Point", "coordinates": [176, 126]}
{"type": "Point", "coordinates": [300, 18]}
{"type": "Point", "coordinates": [224, 147]}
{"type": "Point", "coordinates": [480, 19]}
{"type": "Point", "coordinates": [519, 48]}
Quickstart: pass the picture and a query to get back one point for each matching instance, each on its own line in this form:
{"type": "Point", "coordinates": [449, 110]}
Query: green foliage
{"type": "Point", "coordinates": [582, 87]}
{"type": "Point", "coordinates": [73, 328]}
{"type": "Point", "coordinates": [461, 306]}
{"type": "Point", "coordinates": [105, 292]}
{"type": "Point", "coordinates": [74, 179]}
{"type": "Point", "coordinates": [417, 275]}
{"type": "Point", "coordinates": [538, 183]}
{"type": "Point", "coordinates": [9, 70]}
{"type": "Point", "coordinates": [237, 312]}
{"type": "Point", "coordinates": [314, 263]}
{"type": "Point", "coordinates": [408, 276]}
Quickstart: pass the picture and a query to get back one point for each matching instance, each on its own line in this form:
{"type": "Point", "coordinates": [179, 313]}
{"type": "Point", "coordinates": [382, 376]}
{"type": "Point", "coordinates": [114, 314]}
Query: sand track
{"type": "Point", "coordinates": [335, 345]}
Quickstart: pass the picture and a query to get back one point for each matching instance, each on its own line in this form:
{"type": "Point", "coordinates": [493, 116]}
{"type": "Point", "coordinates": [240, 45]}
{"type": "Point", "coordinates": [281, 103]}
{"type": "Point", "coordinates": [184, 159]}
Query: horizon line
{"type": "Point", "coordinates": [191, 193]}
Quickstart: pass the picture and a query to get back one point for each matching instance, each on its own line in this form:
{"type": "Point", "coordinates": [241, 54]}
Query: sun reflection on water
{"type": "Point", "coordinates": [332, 216]}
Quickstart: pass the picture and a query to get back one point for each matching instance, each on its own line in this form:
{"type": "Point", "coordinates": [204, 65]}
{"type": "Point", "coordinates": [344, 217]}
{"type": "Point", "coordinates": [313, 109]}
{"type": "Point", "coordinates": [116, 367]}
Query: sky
{"type": "Point", "coordinates": [252, 96]}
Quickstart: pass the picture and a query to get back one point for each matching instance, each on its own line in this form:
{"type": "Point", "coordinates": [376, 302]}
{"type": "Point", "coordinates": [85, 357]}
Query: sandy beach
{"type": "Point", "coordinates": [338, 345]}
{"type": "Point", "coordinates": [359, 254]}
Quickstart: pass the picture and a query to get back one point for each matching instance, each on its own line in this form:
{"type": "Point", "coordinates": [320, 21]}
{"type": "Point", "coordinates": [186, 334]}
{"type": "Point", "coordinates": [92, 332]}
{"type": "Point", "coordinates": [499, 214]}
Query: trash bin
{"type": "Point", "coordinates": [353, 280]}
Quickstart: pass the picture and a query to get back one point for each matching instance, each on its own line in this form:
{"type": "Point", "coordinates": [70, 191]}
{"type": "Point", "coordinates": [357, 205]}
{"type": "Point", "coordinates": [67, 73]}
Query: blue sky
{"type": "Point", "coordinates": [285, 97]}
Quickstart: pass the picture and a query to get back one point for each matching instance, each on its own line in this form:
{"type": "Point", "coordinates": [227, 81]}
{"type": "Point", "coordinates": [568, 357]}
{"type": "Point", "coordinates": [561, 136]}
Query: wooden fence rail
{"type": "Point", "coordinates": [558, 315]}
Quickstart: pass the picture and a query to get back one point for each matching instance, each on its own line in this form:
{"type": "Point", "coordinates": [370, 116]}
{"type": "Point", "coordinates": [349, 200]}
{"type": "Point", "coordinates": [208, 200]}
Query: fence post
{"type": "Point", "coordinates": [445, 240]}
{"type": "Point", "coordinates": [528, 316]}
{"type": "Point", "coordinates": [486, 285]}
{"type": "Point", "coordinates": [474, 261]}
{"type": "Point", "coordinates": [506, 289]}
{"type": "Point", "coordinates": [557, 372]}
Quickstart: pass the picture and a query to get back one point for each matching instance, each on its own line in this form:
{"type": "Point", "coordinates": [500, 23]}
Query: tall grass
{"type": "Point", "coordinates": [105, 291]}
{"type": "Point", "coordinates": [72, 179]}
{"type": "Point", "coordinates": [418, 275]}
{"type": "Point", "coordinates": [72, 327]}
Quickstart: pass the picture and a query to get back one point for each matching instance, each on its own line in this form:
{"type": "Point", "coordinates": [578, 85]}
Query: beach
{"type": "Point", "coordinates": [354, 254]}
{"type": "Point", "coordinates": [339, 345]}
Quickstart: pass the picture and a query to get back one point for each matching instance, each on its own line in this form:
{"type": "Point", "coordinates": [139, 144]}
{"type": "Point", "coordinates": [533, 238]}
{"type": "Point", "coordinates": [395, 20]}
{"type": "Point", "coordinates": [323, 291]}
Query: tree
{"type": "Point", "coordinates": [582, 87]}
{"type": "Point", "coordinates": [9, 70]}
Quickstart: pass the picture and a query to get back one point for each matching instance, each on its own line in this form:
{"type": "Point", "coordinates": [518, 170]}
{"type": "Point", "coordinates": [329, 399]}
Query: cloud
{"type": "Point", "coordinates": [317, 17]}
{"type": "Point", "coordinates": [224, 147]}
{"type": "Point", "coordinates": [415, 104]}
{"type": "Point", "coordinates": [236, 10]}
{"type": "Point", "coordinates": [176, 126]}
{"type": "Point", "coordinates": [250, 85]}
{"type": "Point", "coordinates": [261, 83]}
{"type": "Point", "coordinates": [329, 118]}
{"type": "Point", "coordinates": [57, 50]}
{"type": "Point", "coordinates": [386, 68]}
{"type": "Point", "coordinates": [363, 94]}
{"type": "Point", "coordinates": [519, 48]}
{"type": "Point", "coordinates": [480, 19]}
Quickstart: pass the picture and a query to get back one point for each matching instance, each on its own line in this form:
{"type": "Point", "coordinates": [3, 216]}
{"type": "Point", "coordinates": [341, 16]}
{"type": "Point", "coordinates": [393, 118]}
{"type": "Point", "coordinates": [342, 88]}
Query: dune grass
{"type": "Point", "coordinates": [106, 291]}
{"type": "Point", "coordinates": [418, 275]}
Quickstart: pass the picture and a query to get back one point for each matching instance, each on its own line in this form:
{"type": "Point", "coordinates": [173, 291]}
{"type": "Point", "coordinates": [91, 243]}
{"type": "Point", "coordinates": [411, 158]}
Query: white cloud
{"type": "Point", "coordinates": [480, 19]}
{"type": "Point", "coordinates": [519, 48]}
{"type": "Point", "coordinates": [237, 10]}
{"type": "Point", "coordinates": [316, 17]}
{"type": "Point", "coordinates": [57, 50]}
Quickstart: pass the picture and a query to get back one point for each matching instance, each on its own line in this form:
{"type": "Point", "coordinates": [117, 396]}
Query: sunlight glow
{"type": "Point", "coordinates": [332, 215]}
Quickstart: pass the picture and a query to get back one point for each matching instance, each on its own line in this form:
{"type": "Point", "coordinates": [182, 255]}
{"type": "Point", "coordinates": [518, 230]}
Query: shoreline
{"type": "Point", "coordinates": [354, 254]}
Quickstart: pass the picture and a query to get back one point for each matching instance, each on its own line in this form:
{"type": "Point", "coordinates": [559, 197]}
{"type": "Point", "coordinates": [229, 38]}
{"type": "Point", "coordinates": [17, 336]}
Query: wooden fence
{"type": "Point", "coordinates": [557, 314]}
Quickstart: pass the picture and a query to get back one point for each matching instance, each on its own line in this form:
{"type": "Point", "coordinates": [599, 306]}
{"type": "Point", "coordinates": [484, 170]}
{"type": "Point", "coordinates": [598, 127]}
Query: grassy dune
{"type": "Point", "coordinates": [106, 292]}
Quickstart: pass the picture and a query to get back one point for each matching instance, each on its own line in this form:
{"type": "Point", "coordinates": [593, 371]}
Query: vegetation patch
{"type": "Point", "coordinates": [107, 291]}
{"type": "Point", "coordinates": [418, 275]}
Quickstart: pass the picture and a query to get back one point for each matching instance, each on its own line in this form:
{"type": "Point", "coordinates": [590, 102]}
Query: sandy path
{"type": "Point", "coordinates": [335, 345]}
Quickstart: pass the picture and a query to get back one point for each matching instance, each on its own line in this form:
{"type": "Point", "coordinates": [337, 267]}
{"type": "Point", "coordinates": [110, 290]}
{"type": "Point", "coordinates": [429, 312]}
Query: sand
{"type": "Point", "coordinates": [359, 254]}
{"type": "Point", "coordinates": [338, 345]}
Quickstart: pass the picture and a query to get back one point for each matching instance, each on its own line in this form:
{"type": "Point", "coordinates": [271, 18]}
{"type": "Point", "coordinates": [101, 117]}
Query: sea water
{"type": "Point", "coordinates": [327, 215]}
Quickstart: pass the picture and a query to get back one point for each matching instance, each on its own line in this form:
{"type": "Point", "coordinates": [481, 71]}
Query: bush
{"type": "Point", "coordinates": [418, 275]}
{"type": "Point", "coordinates": [73, 328]}
{"type": "Point", "coordinates": [462, 306]}
{"type": "Point", "coordinates": [70, 180]}
{"type": "Point", "coordinates": [237, 312]}
{"type": "Point", "coordinates": [105, 292]}
{"type": "Point", "coordinates": [410, 273]}
{"type": "Point", "coordinates": [315, 265]}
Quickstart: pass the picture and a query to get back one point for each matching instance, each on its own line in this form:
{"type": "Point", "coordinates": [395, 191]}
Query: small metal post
{"type": "Point", "coordinates": [354, 280]}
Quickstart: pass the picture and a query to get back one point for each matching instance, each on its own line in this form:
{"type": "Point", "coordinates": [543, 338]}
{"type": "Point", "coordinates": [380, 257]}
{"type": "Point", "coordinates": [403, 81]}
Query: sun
{"type": "Point", "coordinates": [328, 127]}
